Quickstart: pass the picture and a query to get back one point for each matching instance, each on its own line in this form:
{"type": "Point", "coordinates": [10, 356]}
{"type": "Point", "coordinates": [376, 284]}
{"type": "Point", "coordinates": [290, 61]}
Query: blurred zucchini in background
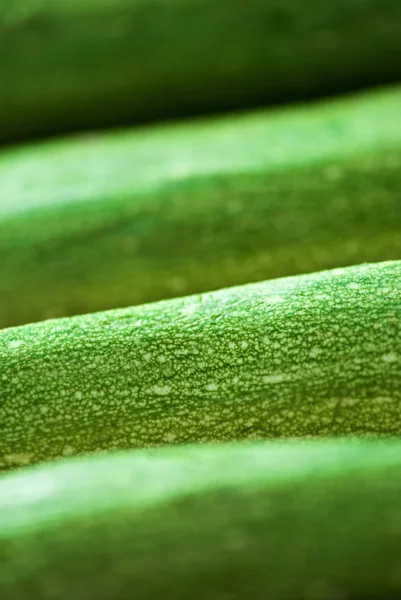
{"type": "Point", "coordinates": [257, 521]}
{"type": "Point", "coordinates": [312, 355]}
{"type": "Point", "coordinates": [79, 64]}
{"type": "Point", "coordinates": [89, 224]}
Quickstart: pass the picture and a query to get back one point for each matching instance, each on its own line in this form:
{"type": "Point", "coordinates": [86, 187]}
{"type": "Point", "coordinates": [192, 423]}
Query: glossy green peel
{"type": "Point", "coordinates": [273, 520]}
{"type": "Point", "coordinates": [79, 64]}
{"type": "Point", "coordinates": [312, 355]}
{"type": "Point", "coordinates": [120, 219]}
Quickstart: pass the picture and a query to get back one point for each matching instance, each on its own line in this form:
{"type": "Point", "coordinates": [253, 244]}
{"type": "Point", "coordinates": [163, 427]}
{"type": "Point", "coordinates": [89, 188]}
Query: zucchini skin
{"type": "Point", "coordinates": [76, 64]}
{"type": "Point", "coordinates": [127, 218]}
{"type": "Point", "coordinates": [272, 520]}
{"type": "Point", "coordinates": [312, 355]}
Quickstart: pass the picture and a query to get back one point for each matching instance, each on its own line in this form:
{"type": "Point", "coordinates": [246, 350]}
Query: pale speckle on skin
{"type": "Point", "coordinates": [390, 357]}
{"type": "Point", "coordinates": [68, 451]}
{"type": "Point", "coordinates": [346, 402]}
{"type": "Point", "coordinates": [190, 309]}
{"type": "Point", "coordinates": [383, 400]}
{"type": "Point", "coordinates": [162, 390]}
{"type": "Point", "coordinates": [212, 387]}
{"type": "Point", "coordinates": [16, 343]}
{"type": "Point", "coordinates": [278, 378]}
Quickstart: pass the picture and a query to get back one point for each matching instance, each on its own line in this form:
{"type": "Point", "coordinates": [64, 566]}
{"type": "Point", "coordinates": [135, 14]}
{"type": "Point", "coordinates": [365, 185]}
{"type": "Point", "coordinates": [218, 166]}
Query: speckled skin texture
{"type": "Point", "coordinates": [121, 219]}
{"type": "Point", "coordinates": [302, 521]}
{"type": "Point", "coordinates": [312, 355]}
{"type": "Point", "coordinates": [73, 64]}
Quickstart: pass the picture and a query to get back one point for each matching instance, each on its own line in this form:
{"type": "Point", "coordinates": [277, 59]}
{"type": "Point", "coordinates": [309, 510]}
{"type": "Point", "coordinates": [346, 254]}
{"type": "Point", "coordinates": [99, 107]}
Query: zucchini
{"type": "Point", "coordinates": [312, 355]}
{"type": "Point", "coordinates": [127, 218]}
{"type": "Point", "coordinates": [278, 521]}
{"type": "Point", "coordinates": [73, 64]}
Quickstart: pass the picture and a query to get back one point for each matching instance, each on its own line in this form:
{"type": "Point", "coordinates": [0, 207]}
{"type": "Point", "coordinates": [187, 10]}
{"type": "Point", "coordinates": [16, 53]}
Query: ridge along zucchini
{"type": "Point", "coordinates": [289, 520]}
{"type": "Point", "coordinates": [122, 219]}
{"type": "Point", "coordinates": [76, 64]}
{"type": "Point", "coordinates": [312, 355]}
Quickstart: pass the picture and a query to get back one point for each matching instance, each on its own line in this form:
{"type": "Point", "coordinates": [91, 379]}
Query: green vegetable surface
{"type": "Point", "coordinates": [186, 435]}
{"type": "Point", "coordinates": [71, 64]}
{"type": "Point", "coordinates": [312, 355]}
{"type": "Point", "coordinates": [278, 521]}
{"type": "Point", "coordinates": [119, 219]}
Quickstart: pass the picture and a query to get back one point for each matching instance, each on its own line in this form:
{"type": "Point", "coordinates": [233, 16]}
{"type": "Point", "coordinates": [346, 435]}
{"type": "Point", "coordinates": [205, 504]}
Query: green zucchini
{"type": "Point", "coordinates": [312, 355]}
{"type": "Point", "coordinates": [122, 219]}
{"type": "Point", "coordinates": [312, 521]}
{"type": "Point", "coordinates": [73, 64]}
